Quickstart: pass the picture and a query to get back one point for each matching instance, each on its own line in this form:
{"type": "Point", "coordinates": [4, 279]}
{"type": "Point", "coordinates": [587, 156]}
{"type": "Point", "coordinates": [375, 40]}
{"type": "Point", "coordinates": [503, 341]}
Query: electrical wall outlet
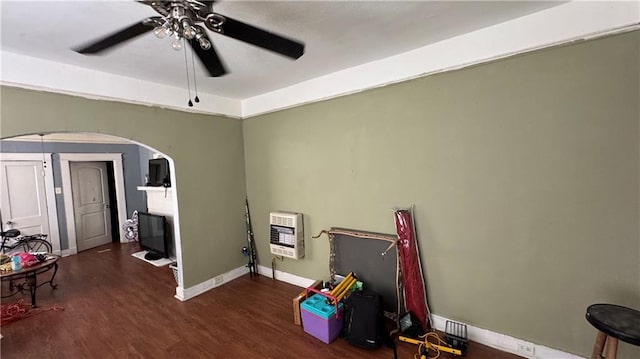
{"type": "Point", "coordinates": [527, 349]}
{"type": "Point", "coordinates": [219, 279]}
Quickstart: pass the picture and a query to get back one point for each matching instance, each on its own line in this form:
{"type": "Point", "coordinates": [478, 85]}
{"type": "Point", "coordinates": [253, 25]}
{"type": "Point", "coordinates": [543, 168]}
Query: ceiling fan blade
{"type": "Point", "coordinates": [209, 58]}
{"type": "Point", "coordinates": [116, 38]}
{"type": "Point", "coordinates": [262, 38]}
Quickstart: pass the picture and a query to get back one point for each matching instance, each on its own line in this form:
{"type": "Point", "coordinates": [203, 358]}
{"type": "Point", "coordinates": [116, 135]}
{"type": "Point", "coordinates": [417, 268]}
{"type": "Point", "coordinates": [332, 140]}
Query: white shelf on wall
{"type": "Point", "coordinates": [154, 189]}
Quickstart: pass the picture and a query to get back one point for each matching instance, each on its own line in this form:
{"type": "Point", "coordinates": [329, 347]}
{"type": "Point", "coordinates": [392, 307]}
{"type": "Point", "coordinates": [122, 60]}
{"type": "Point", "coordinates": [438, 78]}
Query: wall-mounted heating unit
{"type": "Point", "coordinates": [287, 234]}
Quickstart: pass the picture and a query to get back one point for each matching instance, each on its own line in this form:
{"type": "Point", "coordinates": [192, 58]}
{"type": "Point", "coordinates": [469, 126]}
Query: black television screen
{"type": "Point", "coordinates": [152, 234]}
{"type": "Point", "coordinates": [159, 173]}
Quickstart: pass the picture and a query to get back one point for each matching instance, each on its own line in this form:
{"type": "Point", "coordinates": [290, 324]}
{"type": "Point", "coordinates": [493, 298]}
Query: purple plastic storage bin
{"type": "Point", "coordinates": [319, 318]}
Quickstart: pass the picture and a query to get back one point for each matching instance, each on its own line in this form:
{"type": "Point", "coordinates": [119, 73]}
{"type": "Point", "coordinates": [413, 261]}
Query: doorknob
{"type": "Point", "coordinates": [107, 206]}
{"type": "Point", "coordinates": [9, 223]}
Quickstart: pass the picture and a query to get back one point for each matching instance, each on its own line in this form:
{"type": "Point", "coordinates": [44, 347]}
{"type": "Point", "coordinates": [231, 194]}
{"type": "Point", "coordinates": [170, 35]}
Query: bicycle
{"type": "Point", "coordinates": [34, 243]}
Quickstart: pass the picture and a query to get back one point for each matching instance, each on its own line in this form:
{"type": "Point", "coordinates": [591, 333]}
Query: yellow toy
{"type": "Point", "coordinates": [424, 346]}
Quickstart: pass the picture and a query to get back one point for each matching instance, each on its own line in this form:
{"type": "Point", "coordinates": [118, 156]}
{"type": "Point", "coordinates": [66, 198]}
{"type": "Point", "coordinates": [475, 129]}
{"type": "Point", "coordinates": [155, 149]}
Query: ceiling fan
{"type": "Point", "coordinates": [181, 19]}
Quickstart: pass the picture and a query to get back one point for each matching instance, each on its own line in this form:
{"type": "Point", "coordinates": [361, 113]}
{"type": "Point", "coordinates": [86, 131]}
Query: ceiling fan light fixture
{"type": "Point", "coordinates": [176, 44]}
{"type": "Point", "coordinates": [182, 20]}
{"type": "Point", "coordinates": [189, 32]}
{"type": "Point", "coordinates": [204, 43]}
{"type": "Point", "coordinates": [160, 32]}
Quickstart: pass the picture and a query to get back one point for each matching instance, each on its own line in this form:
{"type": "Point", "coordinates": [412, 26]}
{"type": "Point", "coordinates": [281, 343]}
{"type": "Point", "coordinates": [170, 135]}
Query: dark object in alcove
{"type": "Point", "coordinates": [159, 173]}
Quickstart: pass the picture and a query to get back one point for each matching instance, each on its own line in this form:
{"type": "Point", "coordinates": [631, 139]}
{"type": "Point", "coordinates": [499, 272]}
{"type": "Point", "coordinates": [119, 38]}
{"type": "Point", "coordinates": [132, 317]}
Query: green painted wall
{"type": "Point", "coordinates": [207, 151]}
{"type": "Point", "coordinates": [524, 173]}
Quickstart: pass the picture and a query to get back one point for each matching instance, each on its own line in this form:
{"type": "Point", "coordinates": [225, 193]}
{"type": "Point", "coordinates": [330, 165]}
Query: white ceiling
{"type": "Point", "coordinates": [337, 34]}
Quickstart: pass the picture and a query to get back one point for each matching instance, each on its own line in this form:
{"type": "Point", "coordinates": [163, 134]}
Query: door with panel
{"type": "Point", "coordinates": [90, 193]}
{"type": "Point", "coordinates": [23, 201]}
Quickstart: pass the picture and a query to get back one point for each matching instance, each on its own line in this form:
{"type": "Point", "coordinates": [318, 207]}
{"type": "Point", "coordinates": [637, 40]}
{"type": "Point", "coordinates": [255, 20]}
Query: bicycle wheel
{"type": "Point", "coordinates": [38, 245]}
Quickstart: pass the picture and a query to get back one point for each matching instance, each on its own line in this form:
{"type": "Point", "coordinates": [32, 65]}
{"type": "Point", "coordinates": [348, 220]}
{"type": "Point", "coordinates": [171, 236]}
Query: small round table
{"type": "Point", "coordinates": [613, 322]}
{"type": "Point", "coordinates": [29, 274]}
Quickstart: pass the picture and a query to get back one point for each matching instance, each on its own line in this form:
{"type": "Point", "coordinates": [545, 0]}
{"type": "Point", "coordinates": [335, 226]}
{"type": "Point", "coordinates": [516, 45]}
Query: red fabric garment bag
{"type": "Point", "coordinates": [415, 294]}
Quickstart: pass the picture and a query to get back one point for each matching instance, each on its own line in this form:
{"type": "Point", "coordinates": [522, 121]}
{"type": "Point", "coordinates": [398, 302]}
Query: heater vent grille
{"type": "Point", "coordinates": [286, 234]}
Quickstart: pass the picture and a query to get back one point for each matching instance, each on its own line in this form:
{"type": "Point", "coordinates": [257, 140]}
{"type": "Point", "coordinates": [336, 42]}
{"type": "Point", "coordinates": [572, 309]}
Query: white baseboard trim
{"type": "Point", "coordinates": [285, 277]}
{"type": "Point", "coordinates": [505, 342]}
{"type": "Point", "coordinates": [479, 335]}
{"type": "Point", "coordinates": [69, 252]}
{"type": "Point", "coordinates": [183, 294]}
{"type": "Point", "coordinates": [483, 336]}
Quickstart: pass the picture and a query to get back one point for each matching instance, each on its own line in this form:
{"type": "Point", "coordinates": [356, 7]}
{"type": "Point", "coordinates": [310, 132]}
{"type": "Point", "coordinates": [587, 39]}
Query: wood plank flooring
{"type": "Point", "coordinates": [117, 306]}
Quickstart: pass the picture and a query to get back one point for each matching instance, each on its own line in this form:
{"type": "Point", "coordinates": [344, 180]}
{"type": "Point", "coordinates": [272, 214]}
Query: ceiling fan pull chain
{"type": "Point", "coordinates": [186, 68]}
{"type": "Point", "coordinates": [195, 83]}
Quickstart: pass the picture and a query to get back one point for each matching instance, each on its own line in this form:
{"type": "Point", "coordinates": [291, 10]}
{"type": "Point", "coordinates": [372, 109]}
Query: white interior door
{"type": "Point", "coordinates": [90, 192]}
{"type": "Point", "coordinates": [23, 202]}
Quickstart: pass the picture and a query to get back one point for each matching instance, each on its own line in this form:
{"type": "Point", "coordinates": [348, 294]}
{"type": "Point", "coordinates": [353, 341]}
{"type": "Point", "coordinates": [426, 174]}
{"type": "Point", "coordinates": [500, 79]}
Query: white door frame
{"type": "Point", "coordinates": [118, 174]}
{"type": "Point", "coordinates": [52, 210]}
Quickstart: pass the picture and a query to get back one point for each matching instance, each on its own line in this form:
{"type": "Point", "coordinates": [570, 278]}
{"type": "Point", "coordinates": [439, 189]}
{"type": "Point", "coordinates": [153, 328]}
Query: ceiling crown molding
{"type": "Point", "coordinates": [554, 26]}
{"type": "Point", "coordinates": [39, 74]}
{"type": "Point", "coordinates": [71, 137]}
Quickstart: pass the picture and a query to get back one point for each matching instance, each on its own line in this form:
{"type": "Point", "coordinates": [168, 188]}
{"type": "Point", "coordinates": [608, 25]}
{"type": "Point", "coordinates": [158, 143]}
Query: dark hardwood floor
{"type": "Point", "coordinates": [117, 306]}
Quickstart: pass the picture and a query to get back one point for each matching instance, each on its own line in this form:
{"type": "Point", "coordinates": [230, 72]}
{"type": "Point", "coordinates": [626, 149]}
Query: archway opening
{"type": "Point", "coordinates": [57, 155]}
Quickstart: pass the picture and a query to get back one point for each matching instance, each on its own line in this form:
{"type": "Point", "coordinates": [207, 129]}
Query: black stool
{"type": "Point", "coordinates": [613, 322]}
